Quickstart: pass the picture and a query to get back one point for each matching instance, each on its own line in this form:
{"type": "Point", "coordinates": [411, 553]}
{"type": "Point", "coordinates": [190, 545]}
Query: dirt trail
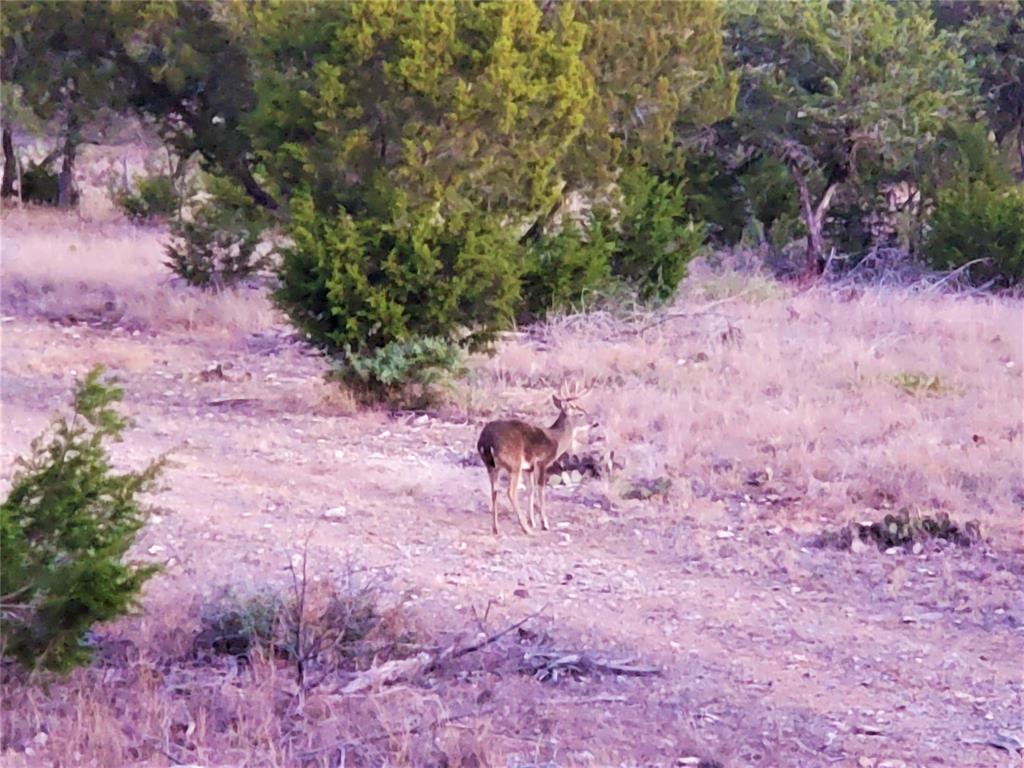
{"type": "Point", "coordinates": [776, 653]}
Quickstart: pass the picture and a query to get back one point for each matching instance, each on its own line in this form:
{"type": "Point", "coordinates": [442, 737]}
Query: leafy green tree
{"type": "Point", "coordinates": [658, 73]}
{"type": "Point", "coordinates": [57, 55]}
{"type": "Point", "coordinates": [992, 32]}
{"type": "Point", "coordinates": [829, 86]}
{"type": "Point", "coordinates": [561, 269]}
{"type": "Point", "coordinates": [65, 529]}
{"type": "Point", "coordinates": [413, 143]}
{"type": "Point", "coordinates": [190, 69]}
{"type": "Point", "coordinates": [461, 106]}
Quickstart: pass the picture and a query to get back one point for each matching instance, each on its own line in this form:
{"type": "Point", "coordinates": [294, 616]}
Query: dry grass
{"type": "Point", "coordinates": [147, 701]}
{"type": "Point", "coordinates": [809, 388]}
{"type": "Point", "coordinates": [111, 274]}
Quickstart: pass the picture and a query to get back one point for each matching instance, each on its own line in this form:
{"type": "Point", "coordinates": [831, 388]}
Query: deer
{"type": "Point", "coordinates": [517, 447]}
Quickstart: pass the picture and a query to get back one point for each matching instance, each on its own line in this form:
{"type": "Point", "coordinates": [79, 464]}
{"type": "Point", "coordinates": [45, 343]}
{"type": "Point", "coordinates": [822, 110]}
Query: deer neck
{"type": "Point", "coordinates": [560, 433]}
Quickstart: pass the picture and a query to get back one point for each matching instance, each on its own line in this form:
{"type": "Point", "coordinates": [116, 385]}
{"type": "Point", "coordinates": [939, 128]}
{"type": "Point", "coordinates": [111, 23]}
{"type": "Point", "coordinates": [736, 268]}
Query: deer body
{"type": "Point", "coordinates": [517, 447]}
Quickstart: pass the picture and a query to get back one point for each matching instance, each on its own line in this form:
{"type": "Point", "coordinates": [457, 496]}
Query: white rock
{"type": "Point", "coordinates": [335, 513]}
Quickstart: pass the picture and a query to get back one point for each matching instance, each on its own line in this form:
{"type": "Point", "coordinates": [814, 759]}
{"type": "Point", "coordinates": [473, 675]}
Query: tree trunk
{"type": "Point", "coordinates": [253, 189]}
{"type": "Point", "coordinates": [813, 215]}
{"type": "Point", "coordinates": [1020, 150]}
{"type": "Point", "coordinates": [10, 164]}
{"type": "Point", "coordinates": [66, 179]}
{"type": "Point", "coordinates": [66, 197]}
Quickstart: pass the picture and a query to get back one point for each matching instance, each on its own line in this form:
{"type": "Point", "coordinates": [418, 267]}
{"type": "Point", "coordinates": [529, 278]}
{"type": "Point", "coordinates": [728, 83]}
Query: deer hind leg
{"type": "Point", "coordinates": [492, 474]}
{"type": "Point", "coordinates": [513, 491]}
{"type": "Point", "coordinates": [541, 481]}
{"type": "Point", "coordinates": [532, 486]}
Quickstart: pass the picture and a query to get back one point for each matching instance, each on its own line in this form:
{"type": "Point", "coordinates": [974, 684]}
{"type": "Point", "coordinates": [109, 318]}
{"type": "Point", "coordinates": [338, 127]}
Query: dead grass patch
{"type": "Point", "coordinates": [806, 395]}
{"type": "Point", "coordinates": [60, 269]}
{"type": "Point", "coordinates": [215, 682]}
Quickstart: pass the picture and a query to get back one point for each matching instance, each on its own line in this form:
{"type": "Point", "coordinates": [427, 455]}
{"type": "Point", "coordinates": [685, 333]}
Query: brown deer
{"type": "Point", "coordinates": [518, 447]}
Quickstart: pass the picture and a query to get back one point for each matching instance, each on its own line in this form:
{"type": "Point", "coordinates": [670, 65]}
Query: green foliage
{"type": "Point", "coordinates": [218, 245]}
{"type": "Point", "coordinates": [773, 199]}
{"type": "Point", "coordinates": [993, 38]}
{"type": "Point", "coordinates": [464, 107]}
{"type": "Point", "coordinates": [905, 530]}
{"type": "Point", "coordinates": [658, 72]}
{"type": "Point", "coordinates": [65, 528]}
{"type": "Point", "coordinates": [828, 87]}
{"type": "Point", "coordinates": [358, 284]}
{"type": "Point", "coordinates": [335, 624]}
{"type": "Point", "coordinates": [977, 221]}
{"type": "Point", "coordinates": [562, 269]}
{"type": "Point", "coordinates": [57, 55]}
{"type": "Point", "coordinates": [390, 298]}
{"type": "Point", "coordinates": [235, 625]}
{"type": "Point", "coordinates": [963, 153]}
{"type": "Point", "coordinates": [190, 70]}
{"type": "Point", "coordinates": [715, 195]}
{"type": "Point", "coordinates": [154, 197]}
{"type": "Point", "coordinates": [656, 238]}
{"type": "Point", "coordinates": [402, 373]}
{"type": "Point", "coordinates": [39, 185]}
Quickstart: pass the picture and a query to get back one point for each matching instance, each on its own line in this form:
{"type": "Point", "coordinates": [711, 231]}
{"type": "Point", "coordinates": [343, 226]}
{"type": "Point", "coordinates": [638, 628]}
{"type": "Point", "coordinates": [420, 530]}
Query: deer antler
{"type": "Point", "coordinates": [572, 390]}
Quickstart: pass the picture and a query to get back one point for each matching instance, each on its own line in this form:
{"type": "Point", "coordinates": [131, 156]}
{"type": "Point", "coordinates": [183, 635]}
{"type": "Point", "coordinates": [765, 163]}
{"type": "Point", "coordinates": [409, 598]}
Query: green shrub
{"type": "Point", "coordinates": [773, 200]}
{"type": "Point", "coordinates": [715, 195]}
{"type": "Point", "coordinates": [219, 244]}
{"type": "Point", "coordinates": [234, 625]}
{"type": "Point", "coordinates": [40, 184]}
{"type": "Point", "coordinates": [359, 286]}
{"type": "Point", "coordinates": [402, 373]}
{"type": "Point", "coordinates": [978, 221]}
{"type": "Point", "coordinates": [561, 269]}
{"type": "Point", "coordinates": [65, 528]}
{"type": "Point", "coordinates": [656, 238]}
{"type": "Point", "coordinates": [154, 197]}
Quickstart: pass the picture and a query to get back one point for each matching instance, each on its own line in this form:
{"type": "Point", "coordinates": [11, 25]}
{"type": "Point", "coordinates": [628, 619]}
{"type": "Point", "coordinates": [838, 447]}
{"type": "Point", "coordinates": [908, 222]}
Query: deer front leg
{"type": "Point", "coordinates": [513, 490]}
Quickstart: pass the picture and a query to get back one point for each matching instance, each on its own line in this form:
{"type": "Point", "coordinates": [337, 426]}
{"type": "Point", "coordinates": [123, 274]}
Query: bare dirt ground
{"type": "Point", "coordinates": [776, 415]}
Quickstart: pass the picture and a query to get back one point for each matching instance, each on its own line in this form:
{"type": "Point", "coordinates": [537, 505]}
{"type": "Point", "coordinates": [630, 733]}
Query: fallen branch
{"type": "Point", "coordinates": [600, 699]}
{"type": "Point", "coordinates": [698, 312]}
{"type": "Point", "coordinates": [550, 665]}
{"type": "Point", "coordinates": [389, 672]}
{"type": "Point", "coordinates": [398, 670]}
{"type": "Point", "coordinates": [455, 654]}
{"type": "Point", "coordinates": [955, 274]}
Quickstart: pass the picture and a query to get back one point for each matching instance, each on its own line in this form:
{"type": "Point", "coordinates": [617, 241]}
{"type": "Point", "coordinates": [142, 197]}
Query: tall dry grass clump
{"type": "Point", "coordinates": [213, 682]}
{"type": "Point", "coordinates": [111, 273]}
